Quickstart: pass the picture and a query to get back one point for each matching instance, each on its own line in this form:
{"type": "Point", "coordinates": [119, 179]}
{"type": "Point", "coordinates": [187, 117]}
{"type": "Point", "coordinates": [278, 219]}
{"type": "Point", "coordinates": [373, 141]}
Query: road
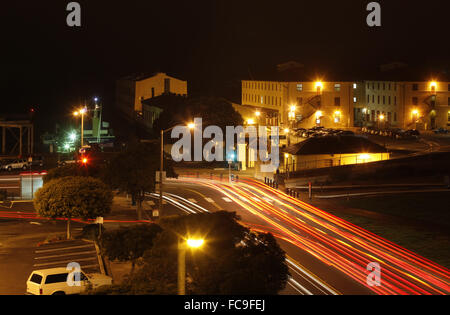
{"type": "Point", "coordinates": [328, 247]}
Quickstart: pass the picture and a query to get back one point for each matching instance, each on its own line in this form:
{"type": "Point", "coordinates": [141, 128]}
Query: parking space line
{"type": "Point", "coordinates": [64, 262]}
{"type": "Point", "coordinates": [68, 254]}
{"type": "Point", "coordinates": [61, 248]}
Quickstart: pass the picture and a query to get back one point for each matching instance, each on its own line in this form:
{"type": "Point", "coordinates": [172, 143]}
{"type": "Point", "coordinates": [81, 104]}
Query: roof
{"type": "Point", "coordinates": [335, 145]}
{"type": "Point", "coordinates": [144, 76]}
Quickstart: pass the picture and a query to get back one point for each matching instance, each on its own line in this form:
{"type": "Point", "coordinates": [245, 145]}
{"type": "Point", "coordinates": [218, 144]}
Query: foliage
{"type": "Point", "coordinates": [92, 231]}
{"type": "Point", "coordinates": [129, 243]}
{"type": "Point", "coordinates": [232, 261]}
{"type": "Point", "coordinates": [213, 111]}
{"type": "Point", "coordinates": [73, 197]}
{"type": "Point", "coordinates": [133, 171]}
{"type": "Point", "coordinates": [72, 170]}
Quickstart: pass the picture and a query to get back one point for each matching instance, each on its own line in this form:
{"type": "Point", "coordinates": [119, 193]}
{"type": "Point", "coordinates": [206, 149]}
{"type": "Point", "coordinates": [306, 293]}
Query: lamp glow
{"type": "Point", "coordinates": [195, 243]}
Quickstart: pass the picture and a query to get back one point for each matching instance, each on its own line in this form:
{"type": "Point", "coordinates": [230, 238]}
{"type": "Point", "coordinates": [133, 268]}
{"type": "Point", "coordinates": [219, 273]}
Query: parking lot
{"type": "Point", "coordinates": [60, 254]}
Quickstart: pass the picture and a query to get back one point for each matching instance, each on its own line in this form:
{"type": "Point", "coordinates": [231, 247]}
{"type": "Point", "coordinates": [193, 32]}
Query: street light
{"type": "Point", "coordinates": [190, 126]}
{"type": "Point", "coordinates": [182, 247]}
{"type": "Point", "coordinates": [81, 113]}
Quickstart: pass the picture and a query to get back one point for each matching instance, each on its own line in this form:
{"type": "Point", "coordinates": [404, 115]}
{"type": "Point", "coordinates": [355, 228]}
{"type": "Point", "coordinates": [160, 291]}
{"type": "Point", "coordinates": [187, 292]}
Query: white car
{"type": "Point", "coordinates": [55, 281]}
{"type": "Point", "coordinates": [16, 164]}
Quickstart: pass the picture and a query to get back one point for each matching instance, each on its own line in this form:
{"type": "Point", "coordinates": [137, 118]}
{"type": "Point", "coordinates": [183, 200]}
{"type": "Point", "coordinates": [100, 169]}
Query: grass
{"type": "Point", "coordinates": [417, 233]}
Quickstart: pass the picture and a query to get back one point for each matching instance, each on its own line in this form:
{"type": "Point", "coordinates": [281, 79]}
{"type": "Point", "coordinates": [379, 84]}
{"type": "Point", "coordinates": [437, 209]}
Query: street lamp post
{"type": "Point", "coordinates": [190, 126]}
{"type": "Point", "coordinates": [81, 113]}
{"type": "Point", "coordinates": [182, 246]}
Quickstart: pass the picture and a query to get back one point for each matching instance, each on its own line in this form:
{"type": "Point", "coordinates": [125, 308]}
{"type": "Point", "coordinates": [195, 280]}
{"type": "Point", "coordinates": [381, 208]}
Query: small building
{"type": "Point", "coordinates": [330, 151]}
{"type": "Point", "coordinates": [132, 90]}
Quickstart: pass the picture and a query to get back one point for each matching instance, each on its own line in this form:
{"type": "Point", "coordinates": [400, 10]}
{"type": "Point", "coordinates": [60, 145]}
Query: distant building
{"type": "Point", "coordinates": [383, 104]}
{"type": "Point", "coordinates": [330, 151]}
{"type": "Point", "coordinates": [132, 90]}
{"type": "Point", "coordinates": [303, 104]}
{"type": "Point", "coordinates": [408, 105]}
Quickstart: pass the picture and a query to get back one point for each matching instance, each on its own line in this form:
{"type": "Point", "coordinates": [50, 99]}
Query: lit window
{"type": "Point", "coordinates": [355, 86]}
{"type": "Point", "coordinates": [355, 99]}
{"type": "Point", "coordinates": [299, 87]}
{"type": "Point", "coordinates": [337, 87]}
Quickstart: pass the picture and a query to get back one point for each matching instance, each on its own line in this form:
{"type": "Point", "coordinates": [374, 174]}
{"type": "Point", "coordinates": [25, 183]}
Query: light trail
{"type": "Point", "coordinates": [336, 242]}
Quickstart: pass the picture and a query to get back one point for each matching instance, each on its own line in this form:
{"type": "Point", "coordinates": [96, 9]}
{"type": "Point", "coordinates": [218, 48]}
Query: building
{"type": "Point", "coordinates": [407, 105]}
{"type": "Point", "coordinates": [382, 104]}
{"type": "Point", "coordinates": [330, 151]}
{"type": "Point", "coordinates": [303, 104]}
{"type": "Point", "coordinates": [132, 90]}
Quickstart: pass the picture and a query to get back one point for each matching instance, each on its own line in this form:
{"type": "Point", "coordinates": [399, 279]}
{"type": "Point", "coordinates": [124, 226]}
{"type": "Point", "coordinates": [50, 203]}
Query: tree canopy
{"type": "Point", "coordinates": [233, 259]}
{"type": "Point", "coordinates": [129, 243]}
{"type": "Point", "coordinates": [134, 170]}
{"type": "Point", "coordinates": [178, 110]}
{"type": "Point", "coordinates": [73, 197]}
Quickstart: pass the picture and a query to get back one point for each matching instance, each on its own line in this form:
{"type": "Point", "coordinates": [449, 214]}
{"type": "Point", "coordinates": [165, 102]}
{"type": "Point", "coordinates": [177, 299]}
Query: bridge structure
{"type": "Point", "coordinates": [17, 137]}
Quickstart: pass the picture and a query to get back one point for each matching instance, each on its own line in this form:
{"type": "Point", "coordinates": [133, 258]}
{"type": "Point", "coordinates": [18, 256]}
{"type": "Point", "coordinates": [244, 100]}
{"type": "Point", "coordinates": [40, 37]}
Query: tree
{"type": "Point", "coordinates": [232, 261]}
{"type": "Point", "coordinates": [129, 243]}
{"type": "Point", "coordinates": [133, 171]}
{"type": "Point", "coordinates": [73, 170]}
{"type": "Point", "coordinates": [73, 197]}
{"type": "Point", "coordinates": [213, 111]}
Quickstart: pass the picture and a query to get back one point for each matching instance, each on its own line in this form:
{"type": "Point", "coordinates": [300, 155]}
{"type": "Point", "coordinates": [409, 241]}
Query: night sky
{"type": "Point", "coordinates": [213, 44]}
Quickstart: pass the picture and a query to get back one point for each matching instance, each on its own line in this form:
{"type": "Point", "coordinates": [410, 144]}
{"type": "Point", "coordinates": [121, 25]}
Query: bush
{"type": "Point", "coordinates": [91, 232]}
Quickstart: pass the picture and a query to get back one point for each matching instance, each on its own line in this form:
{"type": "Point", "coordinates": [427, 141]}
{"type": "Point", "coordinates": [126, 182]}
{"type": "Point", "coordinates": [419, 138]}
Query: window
{"type": "Point", "coordinates": [166, 86]}
{"type": "Point", "coordinates": [415, 101]}
{"type": "Point", "coordinates": [415, 87]}
{"type": "Point", "coordinates": [355, 99]}
{"type": "Point", "coordinates": [389, 118]}
{"type": "Point", "coordinates": [337, 87]}
{"type": "Point", "coordinates": [262, 99]}
{"type": "Point", "coordinates": [61, 277]}
{"type": "Point", "coordinates": [448, 101]}
{"type": "Point", "coordinates": [299, 87]}
{"type": "Point", "coordinates": [389, 100]}
{"type": "Point", "coordinates": [299, 100]}
{"type": "Point", "coordinates": [384, 99]}
{"type": "Point", "coordinates": [337, 101]}
{"type": "Point", "coordinates": [373, 85]}
{"type": "Point", "coordinates": [373, 99]}
{"type": "Point", "coordinates": [368, 98]}
{"type": "Point", "coordinates": [378, 99]}
{"type": "Point", "coordinates": [355, 86]}
{"type": "Point", "coordinates": [395, 100]}
{"type": "Point", "coordinates": [35, 278]}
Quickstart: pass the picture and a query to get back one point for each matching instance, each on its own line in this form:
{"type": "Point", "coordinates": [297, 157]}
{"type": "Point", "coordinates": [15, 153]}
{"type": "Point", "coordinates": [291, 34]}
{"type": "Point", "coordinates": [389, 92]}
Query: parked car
{"type": "Point", "coordinates": [38, 161]}
{"type": "Point", "coordinates": [55, 281]}
{"type": "Point", "coordinates": [15, 165]}
{"type": "Point", "coordinates": [441, 131]}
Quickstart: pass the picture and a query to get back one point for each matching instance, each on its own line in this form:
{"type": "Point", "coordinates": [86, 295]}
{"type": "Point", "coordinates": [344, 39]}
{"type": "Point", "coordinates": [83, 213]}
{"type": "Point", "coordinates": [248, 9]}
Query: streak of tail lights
{"type": "Point", "coordinates": [336, 242]}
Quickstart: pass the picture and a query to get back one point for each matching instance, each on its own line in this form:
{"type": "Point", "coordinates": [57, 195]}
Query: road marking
{"type": "Point", "coordinates": [64, 262]}
{"type": "Point", "coordinates": [202, 195]}
{"type": "Point", "coordinates": [68, 254]}
{"type": "Point", "coordinates": [192, 200]}
{"type": "Point", "coordinates": [61, 248]}
{"type": "Point", "coordinates": [209, 200]}
{"type": "Point", "coordinates": [227, 199]}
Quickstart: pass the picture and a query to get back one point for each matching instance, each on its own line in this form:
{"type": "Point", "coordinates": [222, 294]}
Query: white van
{"type": "Point", "coordinates": [55, 281]}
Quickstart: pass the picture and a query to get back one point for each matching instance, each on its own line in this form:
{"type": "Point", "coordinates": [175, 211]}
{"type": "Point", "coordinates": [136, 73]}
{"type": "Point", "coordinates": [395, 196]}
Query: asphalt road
{"type": "Point", "coordinates": [309, 275]}
{"type": "Point", "coordinates": [18, 245]}
{"type": "Point", "coordinates": [329, 247]}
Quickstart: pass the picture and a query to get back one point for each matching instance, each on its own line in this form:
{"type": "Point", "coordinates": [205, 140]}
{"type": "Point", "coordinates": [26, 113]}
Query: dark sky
{"type": "Point", "coordinates": [212, 43]}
